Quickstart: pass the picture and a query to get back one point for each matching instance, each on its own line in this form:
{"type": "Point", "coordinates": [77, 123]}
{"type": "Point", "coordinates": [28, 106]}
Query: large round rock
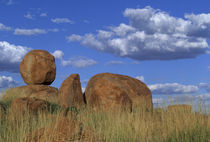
{"type": "Point", "coordinates": [38, 67]}
{"type": "Point", "coordinates": [113, 90]}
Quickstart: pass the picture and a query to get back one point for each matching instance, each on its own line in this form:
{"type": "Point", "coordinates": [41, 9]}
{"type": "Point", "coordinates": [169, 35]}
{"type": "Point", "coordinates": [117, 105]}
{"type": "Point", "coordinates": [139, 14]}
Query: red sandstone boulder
{"type": "Point", "coordinates": [109, 90]}
{"type": "Point", "coordinates": [43, 92]}
{"type": "Point", "coordinates": [38, 67]}
{"type": "Point", "coordinates": [70, 92]}
{"type": "Point", "coordinates": [26, 105]}
{"type": "Point", "coordinates": [64, 130]}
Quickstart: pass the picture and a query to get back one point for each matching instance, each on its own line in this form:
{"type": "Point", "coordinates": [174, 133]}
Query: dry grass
{"type": "Point", "coordinates": [115, 126]}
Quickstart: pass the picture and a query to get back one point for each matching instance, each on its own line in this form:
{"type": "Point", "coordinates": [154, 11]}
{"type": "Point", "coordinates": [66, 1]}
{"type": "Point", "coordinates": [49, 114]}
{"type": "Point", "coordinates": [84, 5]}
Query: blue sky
{"type": "Point", "coordinates": [163, 43]}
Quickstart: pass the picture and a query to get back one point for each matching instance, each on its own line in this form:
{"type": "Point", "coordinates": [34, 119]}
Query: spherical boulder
{"type": "Point", "coordinates": [109, 90]}
{"type": "Point", "coordinates": [38, 67]}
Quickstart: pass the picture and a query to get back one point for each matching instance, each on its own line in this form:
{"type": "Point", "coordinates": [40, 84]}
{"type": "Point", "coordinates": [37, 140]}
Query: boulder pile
{"type": "Point", "coordinates": [105, 91]}
{"type": "Point", "coordinates": [37, 70]}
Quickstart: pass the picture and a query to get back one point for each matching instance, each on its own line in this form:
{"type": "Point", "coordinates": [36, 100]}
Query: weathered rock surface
{"type": "Point", "coordinates": [64, 130]}
{"type": "Point", "coordinates": [43, 92]}
{"type": "Point", "coordinates": [38, 67]}
{"type": "Point", "coordinates": [179, 108]}
{"type": "Point", "coordinates": [109, 90]}
{"type": "Point", "coordinates": [26, 105]}
{"type": "Point", "coordinates": [70, 92]}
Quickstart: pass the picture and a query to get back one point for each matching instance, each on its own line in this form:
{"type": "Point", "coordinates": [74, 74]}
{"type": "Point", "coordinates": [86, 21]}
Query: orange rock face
{"type": "Point", "coordinates": [113, 91]}
{"type": "Point", "coordinates": [43, 92]}
{"type": "Point", "coordinates": [38, 67]}
{"type": "Point", "coordinates": [70, 92]}
{"type": "Point", "coordinates": [22, 106]}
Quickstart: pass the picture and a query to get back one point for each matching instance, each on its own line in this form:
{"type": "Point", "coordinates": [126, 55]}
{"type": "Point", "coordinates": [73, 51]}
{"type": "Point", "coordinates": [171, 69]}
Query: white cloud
{"type": "Point", "coordinates": [152, 35]}
{"type": "Point", "coordinates": [200, 25]}
{"type": "Point", "coordinates": [172, 88]}
{"type": "Point", "coordinates": [28, 16]}
{"type": "Point", "coordinates": [79, 62]}
{"type": "Point", "coordinates": [61, 20]}
{"type": "Point", "coordinates": [58, 54]}
{"type": "Point", "coordinates": [29, 32]}
{"type": "Point", "coordinates": [4, 28]}
{"type": "Point", "coordinates": [114, 63]}
{"type": "Point", "coordinates": [205, 86]}
{"type": "Point", "coordinates": [43, 14]}
{"type": "Point", "coordinates": [74, 37]}
{"type": "Point", "coordinates": [7, 51]}
{"type": "Point", "coordinates": [7, 82]}
{"type": "Point", "coordinates": [141, 78]}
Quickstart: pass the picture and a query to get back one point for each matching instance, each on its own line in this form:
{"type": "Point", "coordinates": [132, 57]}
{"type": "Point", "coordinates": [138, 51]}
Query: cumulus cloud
{"type": "Point", "coordinates": [152, 35]}
{"type": "Point", "coordinates": [141, 78]}
{"type": "Point", "coordinates": [7, 51]}
{"type": "Point", "coordinates": [172, 88]}
{"type": "Point", "coordinates": [205, 86]}
{"type": "Point", "coordinates": [79, 62]}
{"type": "Point", "coordinates": [29, 32]}
{"type": "Point", "coordinates": [7, 82]}
{"type": "Point", "coordinates": [58, 54]}
{"type": "Point", "coordinates": [4, 28]}
{"type": "Point", "coordinates": [61, 20]}
{"type": "Point", "coordinates": [115, 63]}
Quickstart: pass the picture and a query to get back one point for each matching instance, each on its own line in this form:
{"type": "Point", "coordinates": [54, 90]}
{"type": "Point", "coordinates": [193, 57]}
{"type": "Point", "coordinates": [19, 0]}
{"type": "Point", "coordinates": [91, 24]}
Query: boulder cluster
{"type": "Point", "coordinates": [105, 91]}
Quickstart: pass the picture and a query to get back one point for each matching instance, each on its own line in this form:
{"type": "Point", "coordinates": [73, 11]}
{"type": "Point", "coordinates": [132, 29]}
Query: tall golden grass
{"type": "Point", "coordinates": [118, 126]}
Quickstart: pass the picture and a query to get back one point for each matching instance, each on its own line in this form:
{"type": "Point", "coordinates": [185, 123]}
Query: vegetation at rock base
{"type": "Point", "coordinates": [114, 126]}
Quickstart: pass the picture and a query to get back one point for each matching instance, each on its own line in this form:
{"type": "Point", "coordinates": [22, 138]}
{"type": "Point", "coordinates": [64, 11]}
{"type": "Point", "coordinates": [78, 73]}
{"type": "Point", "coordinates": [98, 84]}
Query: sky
{"type": "Point", "coordinates": [163, 43]}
